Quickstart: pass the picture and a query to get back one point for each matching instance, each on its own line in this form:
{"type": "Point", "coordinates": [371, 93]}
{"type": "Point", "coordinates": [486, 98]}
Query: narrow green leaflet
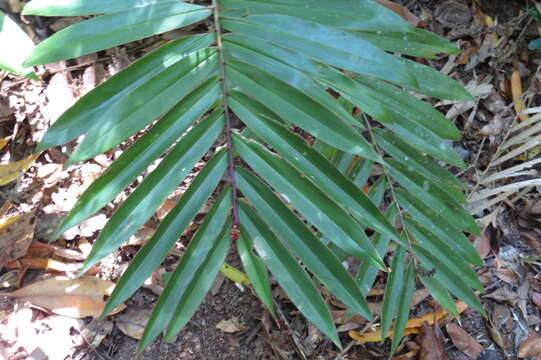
{"type": "Point", "coordinates": [293, 105]}
{"type": "Point", "coordinates": [200, 284]}
{"type": "Point", "coordinates": [16, 47]}
{"type": "Point", "coordinates": [85, 7]}
{"type": "Point", "coordinates": [148, 102]}
{"type": "Point", "coordinates": [410, 107]}
{"type": "Point", "coordinates": [361, 171]}
{"type": "Point", "coordinates": [241, 48]}
{"type": "Point", "coordinates": [404, 306]}
{"type": "Point", "coordinates": [314, 254]}
{"type": "Point", "coordinates": [255, 269]}
{"type": "Point", "coordinates": [291, 277]}
{"type": "Point", "coordinates": [203, 244]}
{"type": "Point", "coordinates": [433, 83]}
{"type": "Point", "coordinates": [367, 273]}
{"type": "Point", "coordinates": [169, 231]}
{"type": "Point", "coordinates": [440, 293]}
{"type": "Point", "coordinates": [358, 15]}
{"type": "Point", "coordinates": [421, 164]}
{"type": "Point", "coordinates": [432, 196]}
{"type": "Point", "coordinates": [90, 109]}
{"type": "Point", "coordinates": [445, 253]}
{"type": "Point", "coordinates": [343, 161]}
{"type": "Point", "coordinates": [314, 166]}
{"type": "Point", "coordinates": [332, 46]}
{"type": "Point", "coordinates": [311, 202]}
{"type": "Point", "coordinates": [393, 289]}
{"type": "Point", "coordinates": [438, 226]}
{"type": "Point", "coordinates": [449, 279]}
{"type": "Point", "coordinates": [155, 188]}
{"type": "Point", "coordinates": [109, 30]}
{"type": "Point", "coordinates": [140, 155]}
{"type": "Point", "coordinates": [419, 43]}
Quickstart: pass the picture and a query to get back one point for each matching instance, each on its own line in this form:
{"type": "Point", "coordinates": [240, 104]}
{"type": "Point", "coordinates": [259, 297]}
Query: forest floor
{"type": "Point", "coordinates": [231, 323]}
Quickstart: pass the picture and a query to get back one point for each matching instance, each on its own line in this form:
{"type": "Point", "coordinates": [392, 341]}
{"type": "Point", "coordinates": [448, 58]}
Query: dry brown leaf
{"type": "Point", "coordinates": [413, 326]}
{"type": "Point", "coordinates": [516, 90]}
{"type": "Point", "coordinates": [133, 322]}
{"type": "Point", "coordinates": [482, 245]}
{"type": "Point", "coordinates": [432, 345]}
{"type": "Point", "coordinates": [496, 336]}
{"type": "Point", "coordinates": [40, 249]}
{"type": "Point", "coordinates": [230, 326]}
{"type": "Point", "coordinates": [463, 341]}
{"type": "Point", "coordinates": [94, 333]}
{"type": "Point", "coordinates": [16, 234]}
{"type": "Point", "coordinates": [77, 298]}
{"type": "Point", "coordinates": [530, 348]}
{"type": "Point", "coordinates": [401, 10]}
{"type": "Point", "coordinates": [48, 264]}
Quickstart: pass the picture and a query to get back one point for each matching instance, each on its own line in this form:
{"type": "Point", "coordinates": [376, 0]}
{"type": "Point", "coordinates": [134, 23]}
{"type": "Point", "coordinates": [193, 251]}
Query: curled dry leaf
{"type": "Point", "coordinates": [230, 326]}
{"type": "Point", "coordinates": [77, 298]}
{"type": "Point", "coordinates": [463, 341]}
{"type": "Point", "coordinates": [530, 348]}
{"type": "Point", "coordinates": [16, 234]}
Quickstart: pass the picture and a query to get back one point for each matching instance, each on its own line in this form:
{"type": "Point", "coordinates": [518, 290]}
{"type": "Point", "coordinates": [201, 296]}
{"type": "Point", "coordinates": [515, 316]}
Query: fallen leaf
{"type": "Point", "coordinates": [94, 333]}
{"type": "Point", "coordinates": [40, 249]}
{"type": "Point", "coordinates": [230, 326]}
{"type": "Point", "coordinates": [432, 345]}
{"type": "Point", "coordinates": [47, 264]}
{"type": "Point", "coordinates": [530, 348]}
{"type": "Point", "coordinates": [132, 323]}
{"type": "Point", "coordinates": [16, 234]}
{"type": "Point", "coordinates": [10, 172]}
{"type": "Point", "coordinates": [401, 10]}
{"type": "Point", "coordinates": [496, 336]}
{"type": "Point", "coordinates": [482, 245]}
{"type": "Point", "coordinates": [516, 90]}
{"type": "Point", "coordinates": [463, 341]}
{"type": "Point", "coordinates": [77, 298]}
{"type": "Point", "coordinates": [413, 326]}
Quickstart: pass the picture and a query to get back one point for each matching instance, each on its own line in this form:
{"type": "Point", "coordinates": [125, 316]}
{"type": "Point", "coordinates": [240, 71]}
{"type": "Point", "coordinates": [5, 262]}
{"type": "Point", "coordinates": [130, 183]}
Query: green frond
{"type": "Point", "coordinates": [370, 161]}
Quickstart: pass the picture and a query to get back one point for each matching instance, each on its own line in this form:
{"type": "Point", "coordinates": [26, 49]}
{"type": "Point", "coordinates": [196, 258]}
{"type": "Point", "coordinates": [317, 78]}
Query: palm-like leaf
{"type": "Point", "coordinates": [272, 63]}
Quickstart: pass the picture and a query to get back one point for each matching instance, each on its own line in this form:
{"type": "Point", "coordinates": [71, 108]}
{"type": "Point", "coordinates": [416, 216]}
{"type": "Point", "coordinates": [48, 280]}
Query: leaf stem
{"type": "Point", "coordinates": [228, 122]}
